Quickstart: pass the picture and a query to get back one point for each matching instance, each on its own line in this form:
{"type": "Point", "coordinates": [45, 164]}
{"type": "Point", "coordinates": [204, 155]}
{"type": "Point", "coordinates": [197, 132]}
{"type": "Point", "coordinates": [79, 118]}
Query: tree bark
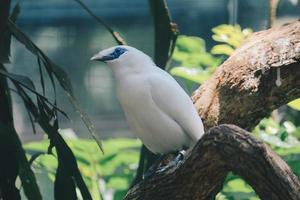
{"type": "Point", "coordinates": [223, 149]}
{"type": "Point", "coordinates": [242, 91]}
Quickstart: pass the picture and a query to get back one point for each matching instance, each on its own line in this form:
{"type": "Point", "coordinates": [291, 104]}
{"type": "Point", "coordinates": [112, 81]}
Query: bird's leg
{"type": "Point", "coordinates": [174, 163]}
{"type": "Point", "coordinates": [180, 156]}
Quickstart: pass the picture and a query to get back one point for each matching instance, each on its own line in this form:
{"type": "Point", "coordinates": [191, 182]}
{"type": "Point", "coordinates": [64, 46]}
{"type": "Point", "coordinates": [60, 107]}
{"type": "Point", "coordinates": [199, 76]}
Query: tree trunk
{"type": "Point", "coordinates": [242, 91]}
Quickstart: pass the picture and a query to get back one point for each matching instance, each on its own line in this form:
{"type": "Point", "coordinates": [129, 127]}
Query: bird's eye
{"type": "Point", "coordinates": [118, 50]}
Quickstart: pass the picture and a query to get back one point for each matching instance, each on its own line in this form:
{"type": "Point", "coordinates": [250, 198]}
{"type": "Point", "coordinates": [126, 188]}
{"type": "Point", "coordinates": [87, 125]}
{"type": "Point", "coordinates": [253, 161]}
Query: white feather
{"type": "Point", "coordinates": [157, 109]}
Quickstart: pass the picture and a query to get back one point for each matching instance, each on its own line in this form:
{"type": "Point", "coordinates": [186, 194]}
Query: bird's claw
{"type": "Point", "coordinates": [157, 169]}
{"type": "Point", "coordinates": [174, 163]}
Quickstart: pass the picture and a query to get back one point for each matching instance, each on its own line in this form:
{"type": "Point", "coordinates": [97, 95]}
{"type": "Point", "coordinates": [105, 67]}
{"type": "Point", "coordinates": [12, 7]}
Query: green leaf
{"type": "Point", "coordinates": [35, 156]}
{"type": "Point", "coordinates": [295, 104]}
{"type": "Point", "coordinates": [28, 179]}
{"type": "Point", "coordinates": [28, 84]}
{"type": "Point", "coordinates": [222, 49]}
{"type": "Point", "coordinates": [11, 149]}
{"type": "Point", "coordinates": [237, 188]}
{"type": "Point", "coordinates": [232, 35]}
{"type": "Point", "coordinates": [191, 52]}
{"type": "Point", "coordinates": [190, 44]}
{"type": "Point", "coordinates": [283, 136]}
{"type": "Point", "coordinates": [69, 169]}
{"type": "Point", "coordinates": [118, 165]}
{"type": "Point", "coordinates": [227, 39]}
{"type": "Point", "coordinates": [64, 185]}
{"type": "Point", "coordinates": [226, 29]}
{"type": "Point", "coordinates": [194, 74]}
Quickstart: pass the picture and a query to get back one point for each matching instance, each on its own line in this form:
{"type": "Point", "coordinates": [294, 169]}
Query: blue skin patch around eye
{"type": "Point", "coordinates": [115, 54]}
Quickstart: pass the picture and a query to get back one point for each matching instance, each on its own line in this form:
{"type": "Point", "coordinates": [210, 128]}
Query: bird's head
{"type": "Point", "coordinates": [121, 55]}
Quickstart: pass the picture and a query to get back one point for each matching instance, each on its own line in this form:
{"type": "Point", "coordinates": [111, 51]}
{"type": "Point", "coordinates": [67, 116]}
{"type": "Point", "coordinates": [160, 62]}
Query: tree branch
{"type": "Point", "coordinates": [242, 91]}
{"type": "Point", "coordinates": [114, 33]}
{"type": "Point", "coordinates": [223, 149]}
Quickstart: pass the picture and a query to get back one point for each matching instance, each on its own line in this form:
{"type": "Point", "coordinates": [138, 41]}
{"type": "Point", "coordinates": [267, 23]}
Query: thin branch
{"type": "Point", "coordinates": [272, 12]}
{"type": "Point", "coordinates": [115, 34]}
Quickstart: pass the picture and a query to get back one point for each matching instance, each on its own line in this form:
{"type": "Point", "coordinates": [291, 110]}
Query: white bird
{"type": "Point", "coordinates": [156, 108]}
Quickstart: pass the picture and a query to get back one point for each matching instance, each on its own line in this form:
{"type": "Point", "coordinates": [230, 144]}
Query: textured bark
{"type": "Point", "coordinates": [242, 91]}
{"type": "Point", "coordinates": [225, 148]}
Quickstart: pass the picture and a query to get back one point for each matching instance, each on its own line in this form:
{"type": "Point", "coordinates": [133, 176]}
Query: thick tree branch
{"type": "Point", "coordinates": [223, 149]}
{"type": "Point", "coordinates": [243, 91]}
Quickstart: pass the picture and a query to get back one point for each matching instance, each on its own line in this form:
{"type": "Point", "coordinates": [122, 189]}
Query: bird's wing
{"type": "Point", "coordinates": [172, 100]}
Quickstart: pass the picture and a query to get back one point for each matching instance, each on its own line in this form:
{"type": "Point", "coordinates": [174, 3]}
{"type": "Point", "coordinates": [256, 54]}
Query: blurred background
{"type": "Point", "coordinates": [209, 31]}
{"type": "Point", "coordinates": [68, 35]}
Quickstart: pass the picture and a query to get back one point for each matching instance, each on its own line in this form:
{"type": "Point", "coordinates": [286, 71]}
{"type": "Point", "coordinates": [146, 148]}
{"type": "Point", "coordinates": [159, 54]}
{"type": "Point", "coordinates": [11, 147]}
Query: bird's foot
{"type": "Point", "coordinates": [173, 163]}
{"type": "Point", "coordinates": [164, 163]}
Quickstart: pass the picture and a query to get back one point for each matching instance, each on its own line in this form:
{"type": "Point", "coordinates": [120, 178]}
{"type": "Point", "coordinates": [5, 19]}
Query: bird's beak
{"type": "Point", "coordinates": [96, 57]}
{"type": "Point", "coordinates": [102, 58]}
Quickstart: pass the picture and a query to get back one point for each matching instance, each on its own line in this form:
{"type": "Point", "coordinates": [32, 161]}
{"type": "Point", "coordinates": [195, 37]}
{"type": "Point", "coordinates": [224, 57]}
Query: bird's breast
{"type": "Point", "coordinates": [131, 90]}
{"type": "Point", "coordinates": [157, 130]}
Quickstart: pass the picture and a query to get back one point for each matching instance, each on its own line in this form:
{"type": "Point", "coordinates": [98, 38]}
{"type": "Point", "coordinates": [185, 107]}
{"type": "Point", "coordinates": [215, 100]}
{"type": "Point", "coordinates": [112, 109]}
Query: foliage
{"type": "Point", "coordinates": [295, 104]}
{"type": "Point", "coordinates": [44, 112]}
{"type": "Point", "coordinates": [114, 170]}
{"type": "Point", "coordinates": [237, 189]}
{"type": "Point", "coordinates": [195, 63]}
{"type": "Point", "coordinates": [232, 36]}
{"type": "Point", "coordinates": [285, 135]}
